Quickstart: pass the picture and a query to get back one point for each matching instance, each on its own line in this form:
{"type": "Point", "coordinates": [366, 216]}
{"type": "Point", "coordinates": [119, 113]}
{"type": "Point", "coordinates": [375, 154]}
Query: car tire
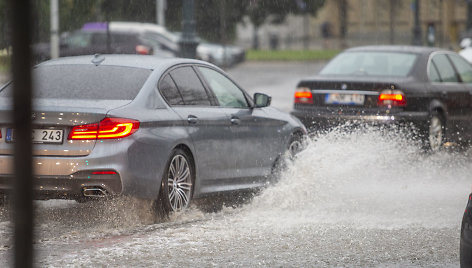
{"type": "Point", "coordinates": [435, 132]}
{"type": "Point", "coordinates": [177, 184]}
{"type": "Point", "coordinates": [295, 145]}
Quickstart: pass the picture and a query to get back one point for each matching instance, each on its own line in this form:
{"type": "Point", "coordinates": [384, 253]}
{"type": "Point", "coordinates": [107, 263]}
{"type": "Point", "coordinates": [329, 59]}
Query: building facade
{"type": "Point", "coordinates": [366, 22]}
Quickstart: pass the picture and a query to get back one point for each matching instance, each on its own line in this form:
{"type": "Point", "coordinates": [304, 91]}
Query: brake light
{"type": "Point", "coordinates": [104, 172]}
{"type": "Point", "coordinates": [143, 50]}
{"type": "Point", "coordinates": [303, 96]}
{"type": "Point", "coordinates": [391, 97]}
{"type": "Point", "coordinates": [108, 128]}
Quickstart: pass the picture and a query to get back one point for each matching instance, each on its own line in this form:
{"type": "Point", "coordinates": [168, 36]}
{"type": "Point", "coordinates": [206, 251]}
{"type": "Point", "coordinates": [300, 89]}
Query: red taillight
{"type": "Point", "coordinates": [391, 97]}
{"type": "Point", "coordinates": [108, 128]}
{"type": "Point", "coordinates": [104, 172]}
{"type": "Point", "coordinates": [303, 96]}
{"type": "Point", "coordinates": [143, 50]}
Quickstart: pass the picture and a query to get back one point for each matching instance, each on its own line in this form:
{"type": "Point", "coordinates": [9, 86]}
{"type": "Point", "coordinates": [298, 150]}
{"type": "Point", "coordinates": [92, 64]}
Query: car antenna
{"type": "Point", "coordinates": [97, 59]}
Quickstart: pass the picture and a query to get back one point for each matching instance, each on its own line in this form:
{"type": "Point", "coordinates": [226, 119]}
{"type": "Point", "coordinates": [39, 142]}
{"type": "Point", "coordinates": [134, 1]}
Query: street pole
{"type": "Point", "coordinates": [54, 29]}
{"type": "Point", "coordinates": [20, 17]}
{"type": "Point", "coordinates": [417, 27]}
{"type": "Point", "coordinates": [222, 4]}
{"type": "Point", "coordinates": [161, 6]}
{"type": "Point", "coordinates": [189, 42]}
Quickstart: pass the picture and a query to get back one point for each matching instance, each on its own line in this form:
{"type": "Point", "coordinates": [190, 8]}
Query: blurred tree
{"type": "Point", "coordinates": [262, 11]}
{"type": "Point", "coordinates": [210, 24]}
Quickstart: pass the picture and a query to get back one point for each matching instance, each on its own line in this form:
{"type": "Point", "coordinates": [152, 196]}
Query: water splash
{"type": "Point", "coordinates": [367, 178]}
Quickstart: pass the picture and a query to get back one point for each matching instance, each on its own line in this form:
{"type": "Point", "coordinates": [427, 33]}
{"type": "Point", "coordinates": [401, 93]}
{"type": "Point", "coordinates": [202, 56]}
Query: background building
{"type": "Point", "coordinates": [365, 22]}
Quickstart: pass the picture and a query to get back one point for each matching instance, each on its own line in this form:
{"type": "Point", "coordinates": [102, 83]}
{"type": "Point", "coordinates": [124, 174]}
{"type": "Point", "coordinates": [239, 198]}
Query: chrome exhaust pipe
{"type": "Point", "coordinates": [94, 191]}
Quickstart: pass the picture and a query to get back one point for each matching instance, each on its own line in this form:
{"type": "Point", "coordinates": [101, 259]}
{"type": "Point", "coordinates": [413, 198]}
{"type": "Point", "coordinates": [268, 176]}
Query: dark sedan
{"type": "Point", "coordinates": [466, 236]}
{"type": "Point", "coordinates": [427, 88]}
{"type": "Point", "coordinates": [155, 128]}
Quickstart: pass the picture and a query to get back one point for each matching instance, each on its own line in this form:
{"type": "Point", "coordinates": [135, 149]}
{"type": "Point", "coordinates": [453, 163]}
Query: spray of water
{"type": "Point", "coordinates": [368, 177]}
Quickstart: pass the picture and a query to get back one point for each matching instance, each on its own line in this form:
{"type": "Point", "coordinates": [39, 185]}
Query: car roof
{"type": "Point", "coordinates": [136, 26]}
{"type": "Point", "coordinates": [392, 48]}
{"type": "Point", "coordinates": [134, 61]}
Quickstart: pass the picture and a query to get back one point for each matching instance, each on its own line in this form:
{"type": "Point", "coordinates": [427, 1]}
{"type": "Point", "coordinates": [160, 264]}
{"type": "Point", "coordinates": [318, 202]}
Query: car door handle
{"type": "Point", "coordinates": [192, 119]}
{"type": "Point", "coordinates": [235, 120]}
{"type": "Point", "coordinates": [444, 94]}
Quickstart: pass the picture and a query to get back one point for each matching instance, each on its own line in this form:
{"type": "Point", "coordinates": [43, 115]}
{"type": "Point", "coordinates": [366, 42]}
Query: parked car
{"type": "Point", "coordinates": [427, 88]}
{"type": "Point", "coordinates": [221, 55]}
{"type": "Point", "coordinates": [93, 39]}
{"type": "Point", "coordinates": [466, 236]}
{"type": "Point", "coordinates": [162, 129]}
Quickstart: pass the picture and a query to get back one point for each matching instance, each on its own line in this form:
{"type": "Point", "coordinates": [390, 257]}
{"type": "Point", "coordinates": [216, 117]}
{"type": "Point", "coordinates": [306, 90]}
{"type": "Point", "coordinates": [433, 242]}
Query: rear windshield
{"type": "Point", "coordinates": [85, 82]}
{"type": "Point", "coordinates": [365, 63]}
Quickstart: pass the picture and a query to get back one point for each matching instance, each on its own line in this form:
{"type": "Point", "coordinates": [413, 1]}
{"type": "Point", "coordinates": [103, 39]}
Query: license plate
{"type": "Point", "coordinates": [347, 99]}
{"type": "Point", "coordinates": [40, 135]}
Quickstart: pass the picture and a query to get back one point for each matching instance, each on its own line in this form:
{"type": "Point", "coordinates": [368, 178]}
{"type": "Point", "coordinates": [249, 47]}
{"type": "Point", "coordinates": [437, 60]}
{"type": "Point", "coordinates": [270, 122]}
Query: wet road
{"type": "Point", "coordinates": [366, 198]}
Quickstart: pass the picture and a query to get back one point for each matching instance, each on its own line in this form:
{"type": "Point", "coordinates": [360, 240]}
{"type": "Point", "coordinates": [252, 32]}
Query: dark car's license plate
{"type": "Point", "coordinates": [347, 99]}
{"type": "Point", "coordinates": [40, 135]}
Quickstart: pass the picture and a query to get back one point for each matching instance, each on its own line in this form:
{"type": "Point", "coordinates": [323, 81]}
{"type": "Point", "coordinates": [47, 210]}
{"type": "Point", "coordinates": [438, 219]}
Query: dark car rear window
{"type": "Point", "coordinates": [86, 82]}
{"type": "Point", "coordinates": [371, 63]}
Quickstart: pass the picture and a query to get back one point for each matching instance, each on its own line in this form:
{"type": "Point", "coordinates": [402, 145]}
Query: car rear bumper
{"type": "Point", "coordinates": [138, 171]}
{"type": "Point", "coordinates": [315, 120]}
{"type": "Point", "coordinates": [76, 186]}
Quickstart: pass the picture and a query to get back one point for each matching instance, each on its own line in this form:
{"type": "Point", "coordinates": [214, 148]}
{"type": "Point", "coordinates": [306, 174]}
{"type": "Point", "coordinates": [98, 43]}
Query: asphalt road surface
{"type": "Point", "coordinates": [363, 198]}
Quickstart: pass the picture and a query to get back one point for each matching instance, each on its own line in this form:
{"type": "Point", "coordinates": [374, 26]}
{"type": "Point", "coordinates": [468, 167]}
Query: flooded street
{"type": "Point", "coordinates": [363, 198]}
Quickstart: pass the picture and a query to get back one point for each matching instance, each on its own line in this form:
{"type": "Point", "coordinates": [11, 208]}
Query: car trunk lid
{"type": "Point", "coordinates": [52, 121]}
{"type": "Point", "coordinates": [349, 95]}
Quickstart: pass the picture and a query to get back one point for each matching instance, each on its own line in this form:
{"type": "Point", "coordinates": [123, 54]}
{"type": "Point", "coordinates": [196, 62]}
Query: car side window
{"type": "Point", "coordinates": [78, 40]}
{"type": "Point", "coordinates": [463, 68]}
{"type": "Point", "coordinates": [445, 69]}
{"type": "Point", "coordinates": [99, 38]}
{"type": "Point", "coordinates": [170, 92]}
{"type": "Point", "coordinates": [226, 92]}
{"type": "Point", "coordinates": [190, 86]}
{"type": "Point", "coordinates": [433, 73]}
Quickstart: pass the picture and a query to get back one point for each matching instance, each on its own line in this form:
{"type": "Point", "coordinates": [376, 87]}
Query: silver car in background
{"type": "Point", "coordinates": [163, 39]}
{"type": "Point", "coordinates": [159, 129]}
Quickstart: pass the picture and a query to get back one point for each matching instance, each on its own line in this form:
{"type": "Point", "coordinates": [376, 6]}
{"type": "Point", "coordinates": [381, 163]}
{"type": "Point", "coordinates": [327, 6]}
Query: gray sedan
{"type": "Point", "coordinates": [160, 129]}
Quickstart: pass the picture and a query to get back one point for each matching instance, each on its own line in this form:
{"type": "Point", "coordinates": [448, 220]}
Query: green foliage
{"type": "Point", "coordinates": [215, 19]}
{"type": "Point", "coordinates": [260, 11]}
{"type": "Point", "coordinates": [5, 63]}
{"type": "Point", "coordinates": [208, 14]}
{"type": "Point", "coordinates": [290, 55]}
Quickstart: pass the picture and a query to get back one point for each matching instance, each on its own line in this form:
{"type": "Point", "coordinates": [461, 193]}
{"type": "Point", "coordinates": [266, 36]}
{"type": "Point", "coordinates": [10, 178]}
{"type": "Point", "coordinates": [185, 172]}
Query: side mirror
{"type": "Point", "coordinates": [261, 100]}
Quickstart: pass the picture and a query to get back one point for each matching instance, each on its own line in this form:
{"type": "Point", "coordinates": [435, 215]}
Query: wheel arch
{"type": "Point", "coordinates": [438, 107]}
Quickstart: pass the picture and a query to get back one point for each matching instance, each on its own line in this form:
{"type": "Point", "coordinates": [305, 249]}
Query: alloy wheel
{"type": "Point", "coordinates": [179, 183]}
{"type": "Point", "coordinates": [294, 148]}
{"type": "Point", "coordinates": [436, 133]}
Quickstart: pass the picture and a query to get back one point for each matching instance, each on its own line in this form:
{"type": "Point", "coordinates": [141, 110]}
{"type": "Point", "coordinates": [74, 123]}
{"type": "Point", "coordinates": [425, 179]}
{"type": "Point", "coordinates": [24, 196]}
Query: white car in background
{"type": "Point", "coordinates": [221, 55]}
{"type": "Point", "coordinates": [466, 51]}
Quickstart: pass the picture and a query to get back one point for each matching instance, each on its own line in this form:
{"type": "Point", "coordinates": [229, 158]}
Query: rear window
{"type": "Point", "coordinates": [86, 82]}
{"type": "Point", "coordinates": [365, 63]}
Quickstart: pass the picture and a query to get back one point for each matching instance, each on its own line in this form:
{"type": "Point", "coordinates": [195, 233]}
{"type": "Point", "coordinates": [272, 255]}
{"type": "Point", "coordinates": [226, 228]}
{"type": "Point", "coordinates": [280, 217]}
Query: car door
{"type": "Point", "coordinates": [464, 70]}
{"type": "Point", "coordinates": [451, 92]}
{"type": "Point", "coordinates": [208, 126]}
{"type": "Point", "coordinates": [256, 136]}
